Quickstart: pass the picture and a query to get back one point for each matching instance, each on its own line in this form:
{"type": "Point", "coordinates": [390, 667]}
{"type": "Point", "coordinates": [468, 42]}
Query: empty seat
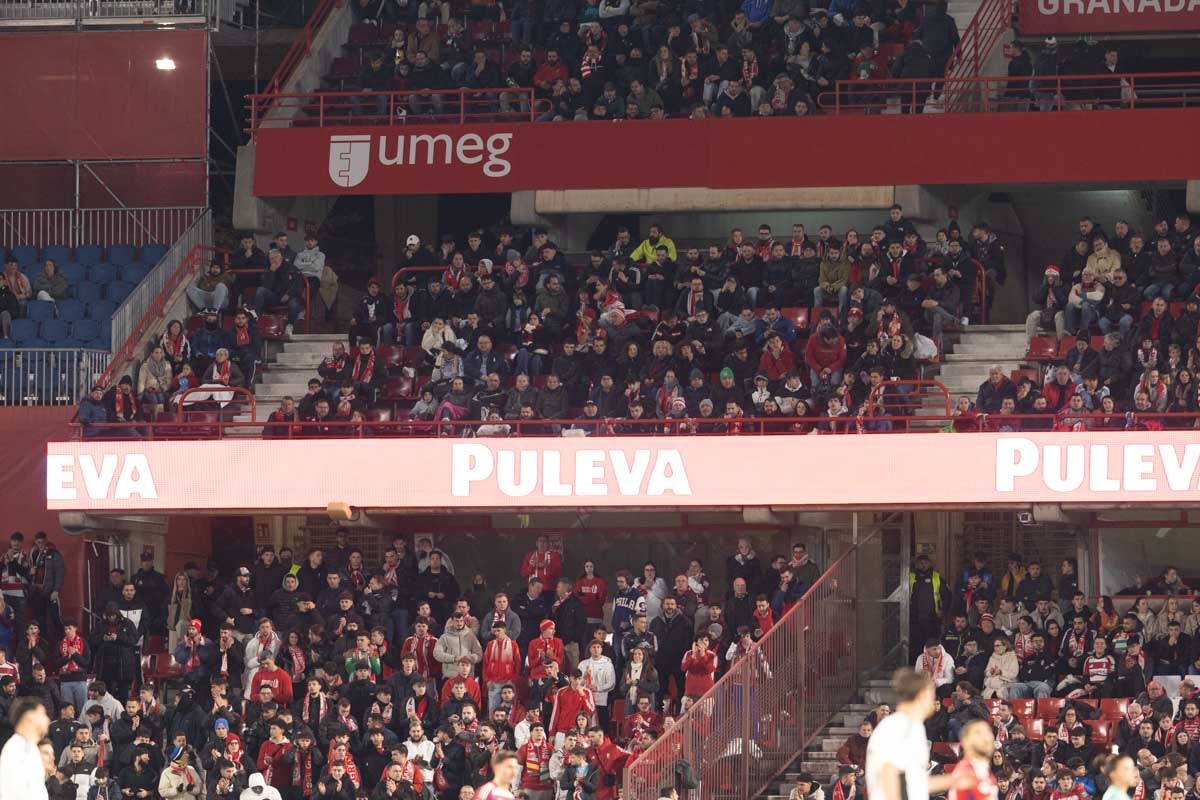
{"type": "Point", "coordinates": [270, 326]}
{"type": "Point", "coordinates": [7, 344]}
{"type": "Point", "coordinates": [88, 254]}
{"type": "Point", "coordinates": [24, 330]}
{"type": "Point", "coordinates": [94, 344]}
{"type": "Point", "coordinates": [102, 272]}
{"type": "Point", "coordinates": [71, 310]}
{"type": "Point", "coordinates": [26, 255]}
{"type": "Point", "coordinates": [392, 355]}
{"type": "Point", "coordinates": [120, 254]}
{"type": "Point", "coordinates": [35, 343]}
{"type": "Point", "coordinates": [73, 271]}
{"type": "Point", "coordinates": [153, 253]}
{"type": "Point", "coordinates": [102, 310]}
{"type": "Point", "coordinates": [134, 273]}
{"type": "Point", "coordinates": [40, 310]}
{"type": "Point", "coordinates": [53, 330]}
{"type": "Point", "coordinates": [88, 292]}
{"type": "Point", "coordinates": [85, 329]}
{"type": "Point", "coordinates": [117, 291]}
{"type": "Point", "coordinates": [1042, 348]}
{"type": "Point", "coordinates": [59, 254]}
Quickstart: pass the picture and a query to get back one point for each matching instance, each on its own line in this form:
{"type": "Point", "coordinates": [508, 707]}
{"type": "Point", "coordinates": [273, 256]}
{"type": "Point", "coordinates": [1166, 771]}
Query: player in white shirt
{"type": "Point", "coordinates": [22, 773]}
{"type": "Point", "coordinates": [898, 752]}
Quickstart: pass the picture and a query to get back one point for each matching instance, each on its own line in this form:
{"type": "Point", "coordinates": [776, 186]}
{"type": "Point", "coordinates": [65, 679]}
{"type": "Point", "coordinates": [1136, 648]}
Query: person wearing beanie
{"type": "Point", "coordinates": [806, 788]}
{"type": "Point", "coordinates": [546, 647]}
{"type": "Point", "coordinates": [180, 779]}
{"type": "Point", "coordinates": [1050, 302]}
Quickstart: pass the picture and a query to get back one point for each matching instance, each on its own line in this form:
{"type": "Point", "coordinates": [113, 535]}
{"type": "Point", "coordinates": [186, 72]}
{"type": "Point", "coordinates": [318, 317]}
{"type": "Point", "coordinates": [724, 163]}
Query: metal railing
{"type": "Point", "coordinates": [302, 45]}
{"type": "Point", "coordinates": [49, 377]}
{"type": "Point", "coordinates": [440, 107]}
{"type": "Point", "coordinates": [71, 227]}
{"type": "Point", "coordinates": [99, 12]}
{"type": "Point", "coordinates": [782, 691]}
{"type": "Point", "coordinates": [148, 293]}
{"type": "Point", "coordinates": [379, 423]}
{"type": "Point", "coordinates": [988, 94]}
{"type": "Point", "coordinates": [992, 18]}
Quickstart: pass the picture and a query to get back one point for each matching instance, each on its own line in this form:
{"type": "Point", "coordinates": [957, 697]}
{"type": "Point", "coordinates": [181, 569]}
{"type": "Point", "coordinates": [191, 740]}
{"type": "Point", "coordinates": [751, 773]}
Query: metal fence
{"type": "Point", "coordinates": [71, 227]}
{"type": "Point", "coordinates": [130, 312]}
{"type": "Point", "coordinates": [99, 12]}
{"type": "Point", "coordinates": [780, 694]}
{"type": "Point", "coordinates": [39, 377]}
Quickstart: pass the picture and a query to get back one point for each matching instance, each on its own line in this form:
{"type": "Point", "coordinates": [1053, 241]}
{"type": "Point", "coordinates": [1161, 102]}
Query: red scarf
{"type": "Point", "coordinates": [221, 372]}
{"type": "Point", "coordinates": [298, 662]}
{"type": "Point", "coordinates": [174, 344]}
{"type": "Point", "coordinates": [931, 668]}
{"type": "Point", "coordinates": [345, 404]}
{"type": "Point", "coordinates": [119, 403]}
{"type": "Point", "coordinates": [384, 711]}
{"type": "Point", "coordinates": [363, 372]}
{"type": "Point", "coordinates": [241, 335]}
{"type": "Point", "coordinates": [69, 647]}
{"type": "Point", "coordinates": [306, 714]}
{"type": "Point", "coordinates": [840, 792]}
{"type": "Point", "coordinates": [749, 72]}
{"type": "Point", "coordinates": [401, 308]}
{"type": "Point", "coordinates": [351, 768]}
{"type": "Point", "coordinates": [238, 765]}
{"type": "Point", "coordinates": [302, 770]}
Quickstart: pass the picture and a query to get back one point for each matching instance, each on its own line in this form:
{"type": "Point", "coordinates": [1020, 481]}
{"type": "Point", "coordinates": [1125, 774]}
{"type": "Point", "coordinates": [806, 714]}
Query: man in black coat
{"type": "Point", "coordinates": [674, 633]}
{"type": "Point", "coordinates": [115, 645]}
{"type": "Point", "coordinates": [570, 620]}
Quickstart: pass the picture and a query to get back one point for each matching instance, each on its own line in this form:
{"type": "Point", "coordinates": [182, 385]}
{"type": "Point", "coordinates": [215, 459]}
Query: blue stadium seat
{"type": "Point", "coordinates": [85, 329]}
{"type": "Point", "coordinates": [134, 273]}
{"type": "Point", "coordinates": [40, 310]}
{"type": "Point", "coordinates": [153, 253]}
{"type": "Point", "coordinates": [88, 254]}
{"type": "Point", "coordinates": [73, 271]}
{"type": "Point", "coordinates": [69, 344]}
{"type": "Point", "coordinates": [88, 291]}
{"type": "Point", "coordinates": [117, 291]}
{"type": "Point", "coordinates": [58, 253]}
{"type": "Point", "coordinates": [3, 254]}
{"type": "Point", "coordinates": [7, 344]}
{"type": "Point", "coordinates": [101, 310]}
{"type": "Point", "coordinates": [106, 337]}
{"type": "Point", "coordinates": [71, 310]}
{"type": "Point", "coordinates": [102, 272]}
{"type": "Point", "coordinates": [36, 343]}
{"type": "Point", "coordinates": [23, 330]}
{"type": "Point", "coordinates": [94, 344]}
{"type": "Point", "coordinates": [53, 330]}
{"type": "Point", "coordinates": [120, 254]}
{"type": "Point", "coordinates": [26, 256]}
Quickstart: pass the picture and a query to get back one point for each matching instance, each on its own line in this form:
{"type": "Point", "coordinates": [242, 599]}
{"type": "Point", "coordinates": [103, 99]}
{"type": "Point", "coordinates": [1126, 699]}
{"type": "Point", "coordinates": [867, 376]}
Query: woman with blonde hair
{"type": "Point", "coordinates": [1001, 670]}
{"type": "Point", "coordinates": [179, 610]}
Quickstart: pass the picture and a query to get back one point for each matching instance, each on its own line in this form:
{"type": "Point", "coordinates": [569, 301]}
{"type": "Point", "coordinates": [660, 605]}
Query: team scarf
{"type": "Point", "coordinates": [302, 770]}
{"type": "Point", "coordinates": [363, 372]}
{"type": "Point", "coordinates": [306, 710]}
{"type": "Point", "coordinates": [384, 710]}
{"type": "Point", "coordinates": [241, 335]}
{"type": "Point", "coordinates": [269, 772]}
{"type": "Point", "coordinates": [351, 768]}
{"type": "Point", "coordinates": [119, 400]}
{"type": "Point", "coordinates": [402, 307]}
{"type": "Point", "coordinates": [70, 647]}
{"type": "Point", "coordinates": [930, 667]}
{"type": "Point", "coordinates": [345, 404]}
{"type": "Point", "coordinates": [221, 371]}
{"type": "Point", "coordinates": [298, 662]}
{"type": "Point", "coordinates": [840, 792]}
{"type": "Point", "coordinates": [416, 707]}
{"type": "Point", "coordinates": [233, 752]}
{"type": "Point", "coordinates": [1014, 792]}
{"type": "Point", "coordinates": [1077, 643]}
{"type": "Point", "coordinates": [174, 344]}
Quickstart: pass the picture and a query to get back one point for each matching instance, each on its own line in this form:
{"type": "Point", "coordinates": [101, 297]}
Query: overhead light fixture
{"type": "Point", "coordinates": [165, 63]}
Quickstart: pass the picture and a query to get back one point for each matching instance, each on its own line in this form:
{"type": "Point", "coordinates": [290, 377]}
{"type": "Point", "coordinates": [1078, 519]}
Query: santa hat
{"type": "Point", "coordinates": [546, 625]}
{"type": "Point", "coordinates": [194, 624]}
{"type": "Point", "coordinates": [1052, 270]}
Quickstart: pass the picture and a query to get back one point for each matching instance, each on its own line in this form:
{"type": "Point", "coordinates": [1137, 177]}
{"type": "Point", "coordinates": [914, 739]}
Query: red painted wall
{"type": "Point", "coordinates": [99, 95]}
{"type": "Point", "coordinates": [1071, 147]}
{"type": "Point", "coordinates": [137, 185]}
{"type": "Point", "coordinates": [25, 431]}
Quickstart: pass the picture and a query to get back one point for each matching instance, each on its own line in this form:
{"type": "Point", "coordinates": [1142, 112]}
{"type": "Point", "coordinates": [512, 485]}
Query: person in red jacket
{"type": "Point", "coordinates": [464, 674]}
{"type": "Point", "coordinates": [272, 758]}
{"type": "Point", "coordinates": [534, 758]}
{"type": "Point", "coordinates": [609, 759]}
{"type": "Point", "coordinates": [825, 351]}
{"type": "Point", "coordinates": [776, 360]}
{"type": "Point", "coordinates": [501, 663]}
{"type": "Point", "coordinates": [592, 592]}
{"type": "Point", "coordinates": [421, 644]}
{"type": "Point", "coordinates": [268, 674]}
{"type": "Point", "coordinates": [763, 616]}
{"type": "Point", "coordinates": [543, 563]}
{"type": "Point", "coordinates": [547, 645]}
{"type": "Point", "coordinates": [569, 702]}
{"type": "Point", "coordinates": [699, 667]}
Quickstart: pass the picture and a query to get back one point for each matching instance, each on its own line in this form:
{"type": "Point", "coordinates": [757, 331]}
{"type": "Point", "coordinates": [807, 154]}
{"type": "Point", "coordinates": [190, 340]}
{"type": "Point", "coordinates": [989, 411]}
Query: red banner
{"type": "Point", "coordinates": [1109, 16]}
{"type": "Point", "coordinates": [722, 153]}
{"type": "Point", "coordinates": [1004, 470]}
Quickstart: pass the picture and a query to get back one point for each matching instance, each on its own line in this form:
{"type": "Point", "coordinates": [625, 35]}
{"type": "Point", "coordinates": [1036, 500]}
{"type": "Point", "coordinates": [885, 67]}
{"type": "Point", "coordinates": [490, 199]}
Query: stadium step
{"type": "Point", "coordinates": [975, 350]}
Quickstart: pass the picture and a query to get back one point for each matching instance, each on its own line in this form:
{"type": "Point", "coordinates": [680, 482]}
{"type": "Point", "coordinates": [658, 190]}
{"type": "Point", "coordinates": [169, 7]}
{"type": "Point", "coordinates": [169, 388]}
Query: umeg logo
{"type": "Point", "coordinates": [350, 156]}
{"type": "Point", "coordinates": [349, 159]}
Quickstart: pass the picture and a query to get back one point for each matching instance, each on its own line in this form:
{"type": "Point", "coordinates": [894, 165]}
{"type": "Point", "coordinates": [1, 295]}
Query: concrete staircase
{"type": "Point", "coordinates": [820, 758]}
{"type": "Point", "coordinates": [963, 12]}
{"type": "Point", "coordinates": [290, 369]}
{"type": "Point", "coordinates": [974, 350]}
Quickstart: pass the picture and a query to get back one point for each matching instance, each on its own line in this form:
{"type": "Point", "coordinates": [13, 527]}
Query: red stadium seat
{"type": "Point", "coordinates": [272, 327]}
{"type": "Point", "coordinates": [1024, 708]}
{"type": "Point", "coordinates": [397, 388]}
{"type": "Point", "coordinates": [1101, 730]}
{"type": "Point", "coordinates": [392, 356]}
{"type": "Point", "coordinates": [993, 704]}
{"type": "Point", "coordinates": [1042, 348]}
{"type": "Point", "coordinates": [1066, 345]}
{"type": "Point", "coordinates": [414, 356]}
{"type": "Point", "coordinates": [798, 316]}
{"type": "Point", "coordinates": [1035, 728]}
{"type": "Point", "coordinates": [1048, 707]}
{"type": "Point", "coordinates": [1113, 708]}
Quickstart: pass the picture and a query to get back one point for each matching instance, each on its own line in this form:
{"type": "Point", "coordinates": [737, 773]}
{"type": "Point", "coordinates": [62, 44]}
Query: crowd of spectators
{"type": "Point", "coordinates": [1060, 681]}
{"type": "Point", "coordinates": [617, 59]}
{"type": "Point", "coordinates": [329, 678]}
{"type": "Point", "coordinates": [648, 331]}
{"type": "Point", "coordinates": [1131, 302]}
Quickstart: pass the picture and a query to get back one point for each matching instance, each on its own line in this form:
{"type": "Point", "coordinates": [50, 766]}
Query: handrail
{"type": "Point", "coordinates": [772, 702]}
{"type": "Point", "coordinates": [881, 399]}
{"type": "Point", "coordinates": [991, 19]}
{"type": "Point", "coordinates": [307, 294]}
{"type": "Point", "coordinates": [457, 107]}
{"type": "Point", "coordinates": [198, 255]}
{"type": "Point", "coordinates": [1146, 90]}
{"type": "Point", "coordinates": [969, 422]}
{"type": "Point", "coordinates": [180, 399]}
{"type": "Point", "coordinates": [301, 45]}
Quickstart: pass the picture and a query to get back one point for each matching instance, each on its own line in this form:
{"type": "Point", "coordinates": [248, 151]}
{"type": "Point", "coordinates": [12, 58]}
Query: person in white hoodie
{"type": "Point", "coordinates": [257, 789]}
{"type": "Point", "coordinates": [600, 676]}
